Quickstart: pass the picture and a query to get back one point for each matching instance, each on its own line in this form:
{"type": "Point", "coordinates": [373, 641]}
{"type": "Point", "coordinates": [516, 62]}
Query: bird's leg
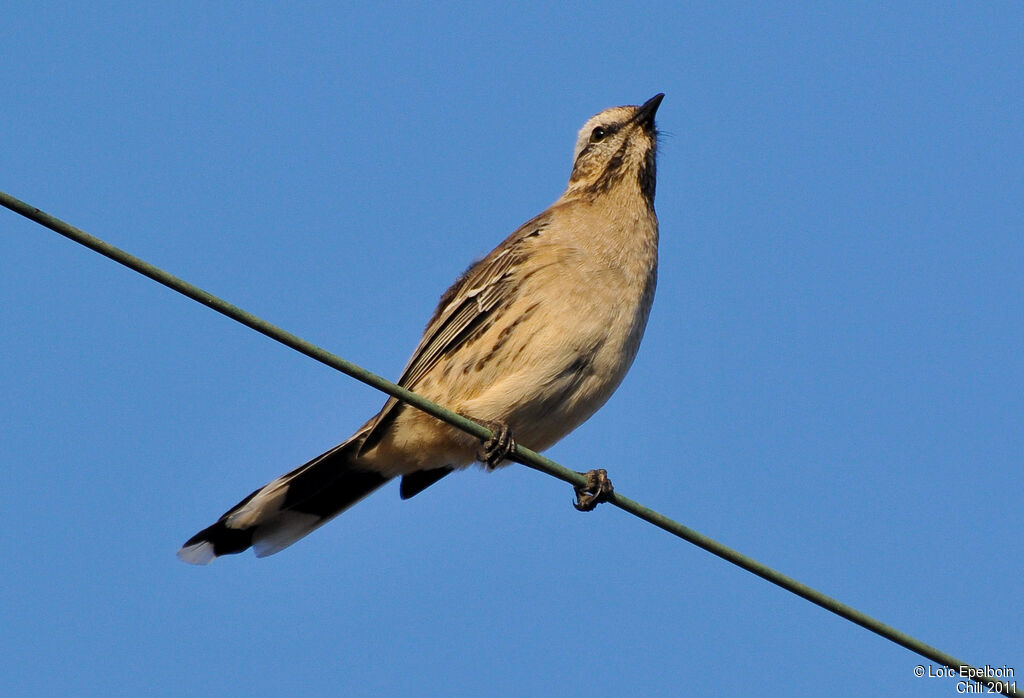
{"type": "Point", "coordinates": [495, 449]}
{"type": "Point", "coordinates": [598, 489]}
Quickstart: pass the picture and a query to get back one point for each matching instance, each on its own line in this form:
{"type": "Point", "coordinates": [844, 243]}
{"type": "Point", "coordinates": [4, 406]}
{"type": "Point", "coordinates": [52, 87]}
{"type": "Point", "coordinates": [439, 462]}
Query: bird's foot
{"type": "Point", "coordinates": [495, 449]}
{"type": "Point", "coordinates": [598, 489]}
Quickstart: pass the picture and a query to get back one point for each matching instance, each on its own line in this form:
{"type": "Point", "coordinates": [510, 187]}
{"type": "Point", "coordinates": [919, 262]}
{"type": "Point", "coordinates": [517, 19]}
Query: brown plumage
{"type": "Point", "coordinates": [535, 336]}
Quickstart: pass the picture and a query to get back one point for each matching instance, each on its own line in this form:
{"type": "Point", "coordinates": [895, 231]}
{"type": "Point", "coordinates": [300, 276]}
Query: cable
{"type": "Point", "coordinates": [521, 455]}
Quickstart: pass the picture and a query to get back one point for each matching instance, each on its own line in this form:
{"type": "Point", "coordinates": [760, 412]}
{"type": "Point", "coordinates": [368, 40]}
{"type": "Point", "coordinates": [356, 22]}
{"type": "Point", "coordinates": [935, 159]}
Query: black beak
{"type": "Point", "coordinates": [645, 113]}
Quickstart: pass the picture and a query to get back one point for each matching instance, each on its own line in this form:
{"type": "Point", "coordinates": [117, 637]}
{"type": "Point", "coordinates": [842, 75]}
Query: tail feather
{"type": "Point", "coordinates": [414, 483]}
{"type": "Point", "coordinates": [283, 511]}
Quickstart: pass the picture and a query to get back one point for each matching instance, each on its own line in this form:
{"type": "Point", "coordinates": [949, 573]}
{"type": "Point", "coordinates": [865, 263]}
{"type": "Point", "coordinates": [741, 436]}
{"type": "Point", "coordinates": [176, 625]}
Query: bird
{"type": "Point", "coordinates": [529, 342]}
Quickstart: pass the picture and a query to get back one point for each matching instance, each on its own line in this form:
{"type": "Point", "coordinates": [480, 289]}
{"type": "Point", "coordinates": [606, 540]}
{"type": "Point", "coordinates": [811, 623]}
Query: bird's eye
{"type": "Point", "coordinates": [597, 135]}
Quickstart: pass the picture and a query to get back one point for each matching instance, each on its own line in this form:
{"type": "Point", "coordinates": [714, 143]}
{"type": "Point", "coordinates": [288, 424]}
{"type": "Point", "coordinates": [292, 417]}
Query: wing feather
{"type": "Point", "coordinates": [464, 308]}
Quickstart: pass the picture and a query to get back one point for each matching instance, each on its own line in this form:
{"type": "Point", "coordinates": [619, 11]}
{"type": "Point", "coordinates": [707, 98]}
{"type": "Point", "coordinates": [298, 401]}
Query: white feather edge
{"type": "Point", "coordinates": [197, 553]}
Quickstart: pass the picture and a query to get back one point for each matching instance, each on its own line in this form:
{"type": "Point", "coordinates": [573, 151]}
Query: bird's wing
{"type": "Point", "coordinates": [463, 312]}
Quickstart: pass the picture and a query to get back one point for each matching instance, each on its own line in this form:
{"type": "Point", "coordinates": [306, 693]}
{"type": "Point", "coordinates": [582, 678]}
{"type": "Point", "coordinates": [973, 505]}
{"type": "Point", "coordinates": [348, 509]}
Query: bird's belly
{"type": "Point", "coordinates": [541, 378]}
{"type": "Point", "coordinates": [564, 371]}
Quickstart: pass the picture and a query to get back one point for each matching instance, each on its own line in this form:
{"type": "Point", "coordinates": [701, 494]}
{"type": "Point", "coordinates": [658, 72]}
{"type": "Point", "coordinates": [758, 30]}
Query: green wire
{"type": "Point", "coordinates": [521, 454]}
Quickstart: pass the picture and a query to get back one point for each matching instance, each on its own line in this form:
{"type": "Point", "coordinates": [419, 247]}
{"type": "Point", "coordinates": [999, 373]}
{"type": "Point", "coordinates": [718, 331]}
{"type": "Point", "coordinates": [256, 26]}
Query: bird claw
{"type": "Point", "coordinates": [497, 448]}
{"type": "Point", "coordinates": [598, 489]}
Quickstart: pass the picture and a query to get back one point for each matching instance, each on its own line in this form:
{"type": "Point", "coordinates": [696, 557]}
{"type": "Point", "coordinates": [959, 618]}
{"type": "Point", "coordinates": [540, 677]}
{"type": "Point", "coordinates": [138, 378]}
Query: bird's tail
{"type": "Point", "coordinates": [283, 511]}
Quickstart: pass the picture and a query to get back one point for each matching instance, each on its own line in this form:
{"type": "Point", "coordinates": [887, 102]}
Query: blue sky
{"type": "Point", "coordinates": [832, 379]}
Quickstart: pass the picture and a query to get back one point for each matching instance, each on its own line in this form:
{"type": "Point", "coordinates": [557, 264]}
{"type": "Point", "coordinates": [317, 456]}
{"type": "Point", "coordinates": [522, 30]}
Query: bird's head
{"type": "Point", "coordinates": [616, 148]}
